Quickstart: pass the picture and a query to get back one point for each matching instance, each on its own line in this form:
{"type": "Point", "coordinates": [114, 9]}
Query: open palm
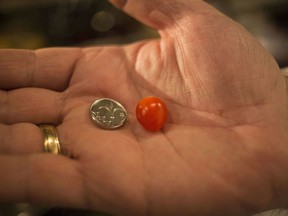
{"type": "Point", "coordinates": [223, 150]}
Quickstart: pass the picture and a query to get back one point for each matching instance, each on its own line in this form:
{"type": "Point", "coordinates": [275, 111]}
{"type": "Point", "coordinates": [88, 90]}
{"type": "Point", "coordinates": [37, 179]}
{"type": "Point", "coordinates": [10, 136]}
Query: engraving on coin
{"type": "Point", "coordinates": [108, 113]}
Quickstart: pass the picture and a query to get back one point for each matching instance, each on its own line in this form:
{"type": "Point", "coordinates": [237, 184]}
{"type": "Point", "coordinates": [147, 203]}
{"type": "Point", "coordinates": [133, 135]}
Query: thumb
{"type": "Point", "coordinates": [161, 14]}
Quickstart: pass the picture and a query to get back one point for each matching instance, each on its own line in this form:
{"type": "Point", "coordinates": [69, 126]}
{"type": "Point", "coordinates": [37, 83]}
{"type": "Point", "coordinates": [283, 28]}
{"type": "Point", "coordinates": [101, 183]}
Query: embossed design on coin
{"type": "Point", "coordinates": [108, 113]}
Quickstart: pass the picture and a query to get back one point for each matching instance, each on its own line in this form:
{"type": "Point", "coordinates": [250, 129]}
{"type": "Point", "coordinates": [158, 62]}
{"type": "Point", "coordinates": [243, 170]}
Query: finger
{"type": "Point", "coordinates": [32, 105]}
{"type": "Point", "coordinates": [161, 14]}
{"type": "Point", "coordinates": [46, 68]}
{"type": "Point", "coordinates": [22, 138]}
{"type": "Point", "coordinates": [40, 178]}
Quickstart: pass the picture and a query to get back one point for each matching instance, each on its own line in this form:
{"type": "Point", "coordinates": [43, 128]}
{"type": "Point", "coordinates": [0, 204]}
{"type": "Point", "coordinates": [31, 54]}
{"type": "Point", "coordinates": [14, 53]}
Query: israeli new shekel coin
{"type": "Point", "coordinates": [108, 114]}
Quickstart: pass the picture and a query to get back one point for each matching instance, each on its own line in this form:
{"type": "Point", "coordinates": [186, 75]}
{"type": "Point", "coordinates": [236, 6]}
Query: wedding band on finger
{"type": "Point", "coordinates": [51, 139]}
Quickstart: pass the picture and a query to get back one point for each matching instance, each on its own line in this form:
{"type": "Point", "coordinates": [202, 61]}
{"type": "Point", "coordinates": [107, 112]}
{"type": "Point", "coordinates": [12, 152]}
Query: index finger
{"type": "Point", "coordinates": [44, 68]}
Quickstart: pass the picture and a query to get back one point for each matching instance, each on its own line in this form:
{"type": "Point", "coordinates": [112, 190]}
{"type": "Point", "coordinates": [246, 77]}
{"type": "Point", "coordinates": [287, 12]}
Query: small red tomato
{"type": "Point", "coordinates": [151, 112]}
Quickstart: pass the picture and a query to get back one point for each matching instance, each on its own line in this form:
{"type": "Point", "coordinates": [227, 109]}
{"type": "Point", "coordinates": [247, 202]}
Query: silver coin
{"type": "Point", "coordinates": [108, 113]}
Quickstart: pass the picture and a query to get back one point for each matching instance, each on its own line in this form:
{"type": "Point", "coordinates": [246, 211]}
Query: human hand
{"type": "Point", "coordinates": [222, 152]}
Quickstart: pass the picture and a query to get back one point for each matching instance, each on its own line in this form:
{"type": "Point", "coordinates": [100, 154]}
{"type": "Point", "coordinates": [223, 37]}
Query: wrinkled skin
{"type": "Point", "coordinates": [223, 150]}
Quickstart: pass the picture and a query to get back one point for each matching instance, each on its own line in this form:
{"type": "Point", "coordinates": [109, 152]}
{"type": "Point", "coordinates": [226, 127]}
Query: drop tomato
{"type": "Point", "coordinates": [151, 113]}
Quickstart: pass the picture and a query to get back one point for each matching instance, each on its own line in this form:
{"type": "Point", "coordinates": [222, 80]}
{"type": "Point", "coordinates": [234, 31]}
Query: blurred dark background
{"type": "Point", "coordinates": [44, 23]}
{"type": "Point", "coordinates": [32, 24]}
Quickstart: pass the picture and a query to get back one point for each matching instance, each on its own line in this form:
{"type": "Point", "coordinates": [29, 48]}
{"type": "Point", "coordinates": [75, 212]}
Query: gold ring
{"type": "Point", "coordinates": [51, 140]}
